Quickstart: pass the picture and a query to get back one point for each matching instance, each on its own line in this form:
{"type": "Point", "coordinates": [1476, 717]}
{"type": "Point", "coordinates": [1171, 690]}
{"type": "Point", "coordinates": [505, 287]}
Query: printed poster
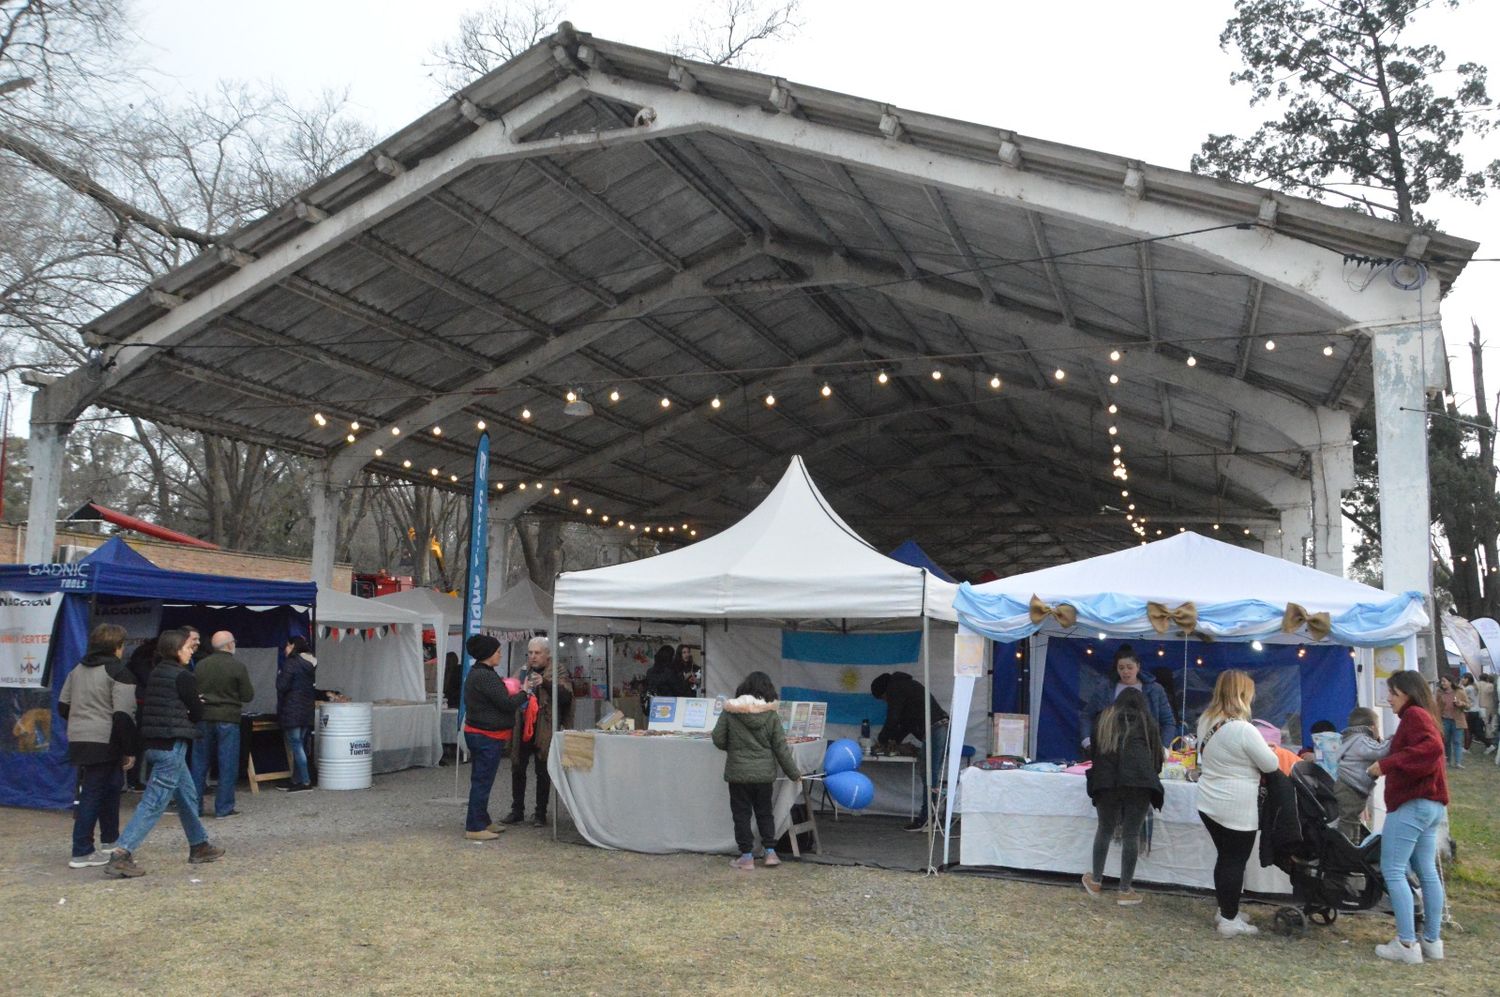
{"type": "Point", "coordinates": [26, 620]}
{"type": "Point", "coordinates": [695, 714]}
{"type": "Point", "coordinates": [1011, 731]}
{"type": "Point", "coordinates": [817, 720]}
{"type": "Point", "coordinates": [968, 655]}
{"type": "Point", "coordinates": [800, 713]}
{"type": "Point", "coordinates": [784, 710]}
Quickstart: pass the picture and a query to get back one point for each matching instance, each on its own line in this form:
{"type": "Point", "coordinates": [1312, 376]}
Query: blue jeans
{"type": "Point", "coordinates": [221, 742]}
{"type": "Point", "coordinates": [1453, 741]}
{"type": "Point", "coordinates": [98, 803]}
{"type": "Point", "coordinates": [1409, 838]}
{"type": "Point", "coordinates": [169, 779]}
{"type": "Point", "coordinates": [486, 752]}
{"type": "Point", "coordinates": [935, 775]}
{"type": "Point", "coordinates": [296, 743]}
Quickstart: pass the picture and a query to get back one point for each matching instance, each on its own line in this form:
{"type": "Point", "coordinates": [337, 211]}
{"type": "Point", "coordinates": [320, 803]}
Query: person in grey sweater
{"type": "Point", "coordinates": [1360, 746]}
{"type": "Point", "coordinates": [100, 711]}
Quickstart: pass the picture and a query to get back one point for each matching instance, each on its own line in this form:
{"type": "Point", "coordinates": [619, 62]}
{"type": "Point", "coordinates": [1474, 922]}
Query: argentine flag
{"type": "Point", "coordinates": [837, 669]}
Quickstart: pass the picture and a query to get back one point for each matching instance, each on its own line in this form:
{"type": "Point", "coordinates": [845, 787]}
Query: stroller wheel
{"type": "Point", "coordinates": [1291, 922]}
{"type": "Point", "coordinates": [1324, 915]}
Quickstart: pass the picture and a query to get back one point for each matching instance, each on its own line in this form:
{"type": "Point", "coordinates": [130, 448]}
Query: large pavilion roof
{"type": "Point", "coordinates": [597, 217]}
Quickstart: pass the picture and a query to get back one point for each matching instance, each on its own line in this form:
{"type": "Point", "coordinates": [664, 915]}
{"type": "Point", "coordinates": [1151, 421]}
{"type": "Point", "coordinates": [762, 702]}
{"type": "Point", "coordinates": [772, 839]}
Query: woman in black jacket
{"type": "Point", "coordinates": [296, 706]}
{"type": "Point", "coordinates": [1125, 779]}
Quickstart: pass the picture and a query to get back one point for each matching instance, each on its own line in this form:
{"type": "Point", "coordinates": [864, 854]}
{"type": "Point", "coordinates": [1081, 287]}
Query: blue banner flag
{"type": "Point", "coordinates": [479, 558]}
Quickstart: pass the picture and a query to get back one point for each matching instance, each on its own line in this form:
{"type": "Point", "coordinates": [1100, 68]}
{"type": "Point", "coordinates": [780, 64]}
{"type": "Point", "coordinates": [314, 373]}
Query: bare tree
{"type": "Point", "coordinates": [490, 37]}
{"type": "Point", "coordinates": [724, 31]}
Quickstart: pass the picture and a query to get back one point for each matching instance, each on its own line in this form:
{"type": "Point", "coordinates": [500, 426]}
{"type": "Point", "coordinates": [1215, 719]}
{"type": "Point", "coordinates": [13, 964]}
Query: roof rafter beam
{"type": "Point", "coordinates": [347, 306]}
{"type": "Point", "coordinates": [1049, 267]}
{"type": "Point", "coordinates": [791, 195]}
{"type": "Point", "coordinates": [844, 180]}
{"type": "Point", "coordinates": [1247, 330]}
{"type": "Point", "coordinates": [606, 211]}
{"type": "Point", "coordinates": [960, 243]}
{"type": "Point", "coordinates": [1148, 292]}
{"type": "Point", "coordinates": [686, 284]}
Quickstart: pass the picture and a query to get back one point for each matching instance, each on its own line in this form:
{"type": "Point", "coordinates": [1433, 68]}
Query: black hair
{"type": "Point", "coordinates": [759, 685]}
{"type": "Point", "coordinates": [880, 684]}
{"type": "Point", "coordinates": [1123, 653]}
{"type": "Point", "coordinates": [298, 645]}
{"type": "Point", "coordinates": [1324, 727]}
{"type": "Point", "coordinates": [665, 655]}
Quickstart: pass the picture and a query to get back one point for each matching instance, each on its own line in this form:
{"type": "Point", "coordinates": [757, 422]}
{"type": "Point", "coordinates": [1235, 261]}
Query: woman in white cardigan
{"type": "Point", "coordinates": [1231, 757]}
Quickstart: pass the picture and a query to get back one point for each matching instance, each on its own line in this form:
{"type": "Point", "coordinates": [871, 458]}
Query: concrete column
{"type": "Point", "coordinates": [499, 563]}
{"type": "Point", "coordinates": [326, 501]}
{"type": "Point", "coordinates": [1296, 525]}
{"type": "Point", "coordinates": [1332, 475]}
{"type": "Point", "coordinates": [1401, 377]}
{"type": "Point", "coordinates": [47, 453]}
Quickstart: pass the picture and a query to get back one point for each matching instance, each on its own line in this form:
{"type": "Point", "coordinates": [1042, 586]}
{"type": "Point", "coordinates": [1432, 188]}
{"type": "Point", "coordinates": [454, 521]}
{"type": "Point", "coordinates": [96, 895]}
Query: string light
{"type": "Point", "coordinates": [1270, 344]}
{"type": "Point", "coordinates": [1192, 361]}
{"type": "Point", "coordinates": [692, 533]}
{"type": "Point", "coordinates": [937, 375]}
{"type": "Point", "coordinates": [1247, 531]}
{"type": "Point", "coordinates": [556, 491]}
{"type": "Point", "coordinates": [1124, 493]}
{"type": "Point", "coordinates": [318, 418]}
{"type": "Point", "coordinates": [715, 403]}
{"type": "Point", "coordinates": [1216, 526]}
{"type": "Point", "coordinates": [770, 400]}
{"type": "Point", "coordinates": [1059, 373]}
{"type": "Point", "coordinates": [604, 517]}
{"type": "Point", "coordinates": [354, 425]}
{"type": "Point", "coordinates": [882, 377]}
{"type": "Point", "coordinates": [523, 486]}
{"type": "Point", "coordinates": [614, 395]}
{"type": "Point", "coordinates": [575, 502]}
{"type": "Point", "coordinates": [1113, 430]}
{"type": "Point", "coordinates": [406, 464]}
{"type": "Point", "coordinates": [349, 438]}
{"type": "Point", "coordinates": [1114, 379]}
{"type": "Point", "coordinates": [1113, 409]}
{"type": "Point", "coordinates": [526, 414]}
{"type": "Point", "coordinates": [1116, 448]}
{"type": "Point", "coordinates": [1131, 507]}
{"type": "Point", "coordinates": [1328, 350]}
{"type": "Point", "coordinates": [995, 382]}
{"type": "Point", "coordinates": [1256, 645]}
{"type": "Point", "coordinates": [379, 452]}
{"type": "Point", "coordinates": [499, 486]}
{"type": "Point", "coordinates": [826, 391]}
{"type": "Point", "coordinates": [571, 396]}
{"type": "Point", "coordinates": [395, 430]}
{"type": "Point", "coordinates": [589, 511]}
{"type": "Point", "coordinates": [437, 430]}
{"type": "Point", "coordinates": [1114, 356]}
{"type": "Point", "coordinates": [453, 478]}
{"type": "Point", "coordinates": [434, 472]}
{"type": "Point", "coordinates": [666, 402]}
{"type": "Point", "coordinates": [538, 486]}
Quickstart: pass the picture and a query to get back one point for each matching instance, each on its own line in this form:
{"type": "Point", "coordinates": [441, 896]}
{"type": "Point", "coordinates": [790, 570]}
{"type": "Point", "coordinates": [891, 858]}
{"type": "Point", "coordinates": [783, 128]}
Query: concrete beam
{"type": "Point", "coordinates": [47, 453]}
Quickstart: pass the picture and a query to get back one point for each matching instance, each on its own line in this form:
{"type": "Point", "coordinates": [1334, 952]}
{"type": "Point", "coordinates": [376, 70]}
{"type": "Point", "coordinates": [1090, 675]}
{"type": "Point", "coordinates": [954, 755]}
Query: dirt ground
{"type": "Point", "coordinates": [377, 892]}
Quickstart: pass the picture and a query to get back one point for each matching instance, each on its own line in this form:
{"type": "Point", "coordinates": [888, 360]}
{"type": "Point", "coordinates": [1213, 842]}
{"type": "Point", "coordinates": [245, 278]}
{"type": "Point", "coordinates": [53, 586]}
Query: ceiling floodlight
{"type": "Point", "coordinates": [577, 406]}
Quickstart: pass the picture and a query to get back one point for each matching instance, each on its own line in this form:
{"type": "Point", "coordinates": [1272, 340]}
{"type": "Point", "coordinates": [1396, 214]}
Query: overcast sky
{"type": "Point", "coordinates": [1144, 80]}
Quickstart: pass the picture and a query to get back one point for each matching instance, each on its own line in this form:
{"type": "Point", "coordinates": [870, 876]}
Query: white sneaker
{"type": "Point", "coordinates": [89, 861]}
{"type": "Point", "coordinates": [1396, 952]}
{"type": "Point", "coordinates": [1432, 950]}
{"type": "Point", "coordinates": [1229, 928]}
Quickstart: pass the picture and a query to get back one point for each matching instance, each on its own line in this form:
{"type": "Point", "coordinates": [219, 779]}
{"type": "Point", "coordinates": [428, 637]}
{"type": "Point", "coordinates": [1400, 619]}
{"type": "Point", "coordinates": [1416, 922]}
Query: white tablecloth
{"type": "Point", "coordinates": [1045, 821]}
{"type": "Point", "coordinates": [661, 794]}
{"type": "Point", "coordinates": [405, 737]}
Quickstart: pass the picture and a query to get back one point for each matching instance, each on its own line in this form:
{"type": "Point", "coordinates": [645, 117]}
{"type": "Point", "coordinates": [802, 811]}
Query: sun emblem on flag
{"type": "Point", "coordinates": [849, 679]}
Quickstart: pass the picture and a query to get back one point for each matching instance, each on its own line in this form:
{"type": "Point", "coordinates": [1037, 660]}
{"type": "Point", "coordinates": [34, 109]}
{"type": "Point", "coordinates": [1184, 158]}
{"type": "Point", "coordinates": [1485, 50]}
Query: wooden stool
{"type": "Point", "coordinates": [256, 778]}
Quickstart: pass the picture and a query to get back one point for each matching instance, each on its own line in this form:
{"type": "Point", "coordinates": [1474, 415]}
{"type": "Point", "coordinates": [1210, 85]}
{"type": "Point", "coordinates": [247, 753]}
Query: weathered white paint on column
{"type": "Point", "coordinates": [1296, 525]}
{"type": "Point", "coordinates": [325, 502]}
{"type": "Point", "coordinates": [1401, 441]}
{"type": "Point", "coordinates": [47, 453]}
{"type": "Point", "coordinates": [1332, 475]}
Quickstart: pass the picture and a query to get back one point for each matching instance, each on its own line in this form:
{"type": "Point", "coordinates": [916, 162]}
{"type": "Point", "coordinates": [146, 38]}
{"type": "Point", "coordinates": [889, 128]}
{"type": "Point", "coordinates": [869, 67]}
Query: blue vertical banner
{"type": "Point", "coordinates": [479, 558]}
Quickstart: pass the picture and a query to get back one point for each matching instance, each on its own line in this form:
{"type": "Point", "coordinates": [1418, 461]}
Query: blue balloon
{"type": "Point", "coordinates": [850, 790]}
{"type": "Point", "coordinates": [843, 755]}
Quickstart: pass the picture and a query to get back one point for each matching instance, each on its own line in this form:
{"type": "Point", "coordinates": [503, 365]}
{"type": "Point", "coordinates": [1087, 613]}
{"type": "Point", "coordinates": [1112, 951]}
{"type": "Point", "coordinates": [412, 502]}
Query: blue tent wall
{"type": "Point", "coordinates": [1322, 686]}
{"type": "Point", "coordinates": [910, 552]}
{"type": "Point", "coordinates": [45, 779]}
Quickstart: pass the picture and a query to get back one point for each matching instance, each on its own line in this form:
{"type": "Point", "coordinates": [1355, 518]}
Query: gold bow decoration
{"type": "Point", "coordinates": [1065, 614]}
{"type": "Point", "coordinates": [1319, 625]}
{"type": "Point", "coordinates": [1184, 617]}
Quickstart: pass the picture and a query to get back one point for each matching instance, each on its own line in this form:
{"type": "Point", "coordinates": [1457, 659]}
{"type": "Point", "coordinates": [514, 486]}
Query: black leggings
{"type": "Point", "coordinates": [1126, 808]}
{"type": "Point", "coordinates": [1229, 868]}
{"type": "Point", "coordinates": [747, 799]}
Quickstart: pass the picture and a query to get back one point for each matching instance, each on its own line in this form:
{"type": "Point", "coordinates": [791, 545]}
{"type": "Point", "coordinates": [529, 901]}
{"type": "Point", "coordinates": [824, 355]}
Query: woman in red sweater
{"type": "Point", "coordinates": [1416, 799]}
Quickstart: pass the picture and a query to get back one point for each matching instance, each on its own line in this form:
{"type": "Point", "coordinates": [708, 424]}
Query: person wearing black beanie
{"type": "Point", "coordinates": [489, 723]}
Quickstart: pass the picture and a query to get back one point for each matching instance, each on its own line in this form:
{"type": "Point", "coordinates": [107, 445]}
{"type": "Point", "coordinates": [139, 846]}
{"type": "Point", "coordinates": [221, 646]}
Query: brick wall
{"type": "Point", "coordinates": [176, 557]}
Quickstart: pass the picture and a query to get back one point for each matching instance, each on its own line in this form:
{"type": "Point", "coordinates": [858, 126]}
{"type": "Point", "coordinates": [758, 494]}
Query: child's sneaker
{"type": "Point", "coordinates": [745, 863]}
{"type": "Point", "coordinates": [773, 860]}
{"type": "Point", "coordinates": [1092, 886]}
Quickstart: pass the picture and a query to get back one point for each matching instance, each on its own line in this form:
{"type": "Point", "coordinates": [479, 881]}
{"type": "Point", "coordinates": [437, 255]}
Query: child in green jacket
{"type": "Point", "coordinates": [749, 729]}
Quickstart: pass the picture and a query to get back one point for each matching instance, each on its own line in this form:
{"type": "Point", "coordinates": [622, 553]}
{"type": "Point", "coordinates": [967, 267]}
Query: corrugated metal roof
{"type": "Point", "coordinates": [543, 252]}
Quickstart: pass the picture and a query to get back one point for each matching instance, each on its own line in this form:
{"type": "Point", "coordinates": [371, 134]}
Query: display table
{"type": "Point", "coordinates": [405, 736]}
{"type": "Point", "coordinates": [661, 794]}
{"type": "Point", "coordinates": [1045, 821]}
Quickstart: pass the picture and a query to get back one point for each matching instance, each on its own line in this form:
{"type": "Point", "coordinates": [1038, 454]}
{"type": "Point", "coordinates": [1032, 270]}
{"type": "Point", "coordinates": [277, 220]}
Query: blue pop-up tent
{"type": "Point", "coordinates": [34, 768]}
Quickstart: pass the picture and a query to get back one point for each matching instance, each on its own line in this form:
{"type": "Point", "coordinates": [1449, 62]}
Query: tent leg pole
{"type": "Point", "coordinates": [556, 650]}
{"type": "Point", "coordinates": [931, 806]}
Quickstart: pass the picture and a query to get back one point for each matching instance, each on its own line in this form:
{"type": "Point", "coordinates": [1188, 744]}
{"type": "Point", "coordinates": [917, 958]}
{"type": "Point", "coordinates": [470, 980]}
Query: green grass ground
{"type": "Point", "coordinates": [420, 910]}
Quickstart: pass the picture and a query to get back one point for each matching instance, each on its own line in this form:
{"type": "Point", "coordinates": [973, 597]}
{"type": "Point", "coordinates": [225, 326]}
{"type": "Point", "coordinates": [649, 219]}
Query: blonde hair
{"type": "Point", "coordinates": [1233, 693]}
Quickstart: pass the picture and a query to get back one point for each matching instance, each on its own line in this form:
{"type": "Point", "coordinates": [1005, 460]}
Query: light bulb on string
{"type": "Point", "coordinates": [453, 478]}
{"type": "Point", "coordinates": [406, 464]}
{"type": "Point", "coordinates": [481, 425]}
{"type": "Point", "coordinates": [1270, 345]}
{"type": "Point", "coordinates": [1113, 409]}
{"type": "Point", "coordinates": [826, 391]}
{"type": "Point", "coordinates": [437, 430]}
{"type": "Point", "coordinates": [434, 471]}
{"type": "Point", "coordinates": [1114, 379]}
{"type": "Point", "coordinates": [526, 414]}
{"type": "Point", "coordinates": [354, 425]}
{"type": "Point", "coordinates": [349, 438]}
{"type": "Point", "coordinates": [574, 502]}
{"type": "Point", "coordinates": [571, 396]}
{"type": "Point", "coordinates": [614, 395]}
{"type": "Point", "coordinates": [499, 486]}
{"type": "Point", "coordinates": [1114, 430]}
{"type": "Point", "coordinates": [882, 377]}
{"type": "Point", "coordinates": [523, 486]}
{"type": "Point", "coordinates": [1192, 361]}
{"type": "Point", "coordinates": [379, 452]}
{"type": "Point", "coordinates": [1116, 448]}
{"type": "Point", "coordinates": [937, 375]}
{"type": "Point", "coordinates": [995, 382]}
{"type": "Point", "coordinates": [395, 430]}
{"type": "Point", "coordinates": [715, 403]}
{"type": "Point", "coordinates": [556, 491]}
{"type": "Point", "coordinates": [318, 418]}
{"type": "Point", "coordinates": [770, 400]}
{"type": "Point", "coordinates": [1114, 356]}
{"type": "Point", "coordinates": [1328, 350]}
{"type": "Point", "coordinates": [666, 402]}
{"type": "Point", "coordinates": [1060, 374]}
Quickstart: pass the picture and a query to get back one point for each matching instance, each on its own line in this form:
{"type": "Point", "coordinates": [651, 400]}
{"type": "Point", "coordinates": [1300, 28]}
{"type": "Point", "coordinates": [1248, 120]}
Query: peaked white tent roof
{"type": "Point", "coordinates": [387, 667]}
{"type": "Point", "coordinates": [791, 557]}
{"type": "Point", "coordinates": [1237, 593]}
{"type": "Point", "coordinates": [337, 608]}
{"type": "Point", "coordinates": [427, 603]}
{"type": "Point", "coordinates": [523, 606]}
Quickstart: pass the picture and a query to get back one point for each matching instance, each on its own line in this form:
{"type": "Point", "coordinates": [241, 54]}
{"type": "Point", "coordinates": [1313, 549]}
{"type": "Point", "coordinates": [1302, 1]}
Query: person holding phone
{"type": "Point", "coordinates": [533, 732]}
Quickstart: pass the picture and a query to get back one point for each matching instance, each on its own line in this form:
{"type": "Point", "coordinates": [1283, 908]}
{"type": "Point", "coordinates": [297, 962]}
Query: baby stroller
{"type": "Point", "coordinates": [1329, 873]}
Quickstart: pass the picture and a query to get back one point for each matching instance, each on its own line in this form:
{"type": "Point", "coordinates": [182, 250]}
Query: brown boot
{"type": "Point", "coordinates": [122, 866]}
{"type": "Point", "coordinates": [205, 852]}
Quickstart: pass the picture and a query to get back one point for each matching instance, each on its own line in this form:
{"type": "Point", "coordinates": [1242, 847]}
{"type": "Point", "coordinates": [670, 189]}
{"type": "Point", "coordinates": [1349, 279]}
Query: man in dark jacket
{"type": "Point", "coordinates": [905, 716]}
{"type": "Point", "coordinates": [168, 725]}
{"type": "Point", "coordinates": [536, 717]}
{"type": "Point", "coordinates": [224, 683]}
{"type": "Point", "coordinates": [100, 710]}
{"type": "Point", "coordinates": [489, 723]}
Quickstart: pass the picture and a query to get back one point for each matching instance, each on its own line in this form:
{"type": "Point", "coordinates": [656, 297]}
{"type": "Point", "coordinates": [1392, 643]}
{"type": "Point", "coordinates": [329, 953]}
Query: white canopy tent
{"type": "Point", "coordinates": [791, 558]}
{"type": "Point", "coordinates": [523, 606]}
{"type": "Point", "coordinates": [367, 668]}
{"type": "Point", "coordinates": [441, 612]}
